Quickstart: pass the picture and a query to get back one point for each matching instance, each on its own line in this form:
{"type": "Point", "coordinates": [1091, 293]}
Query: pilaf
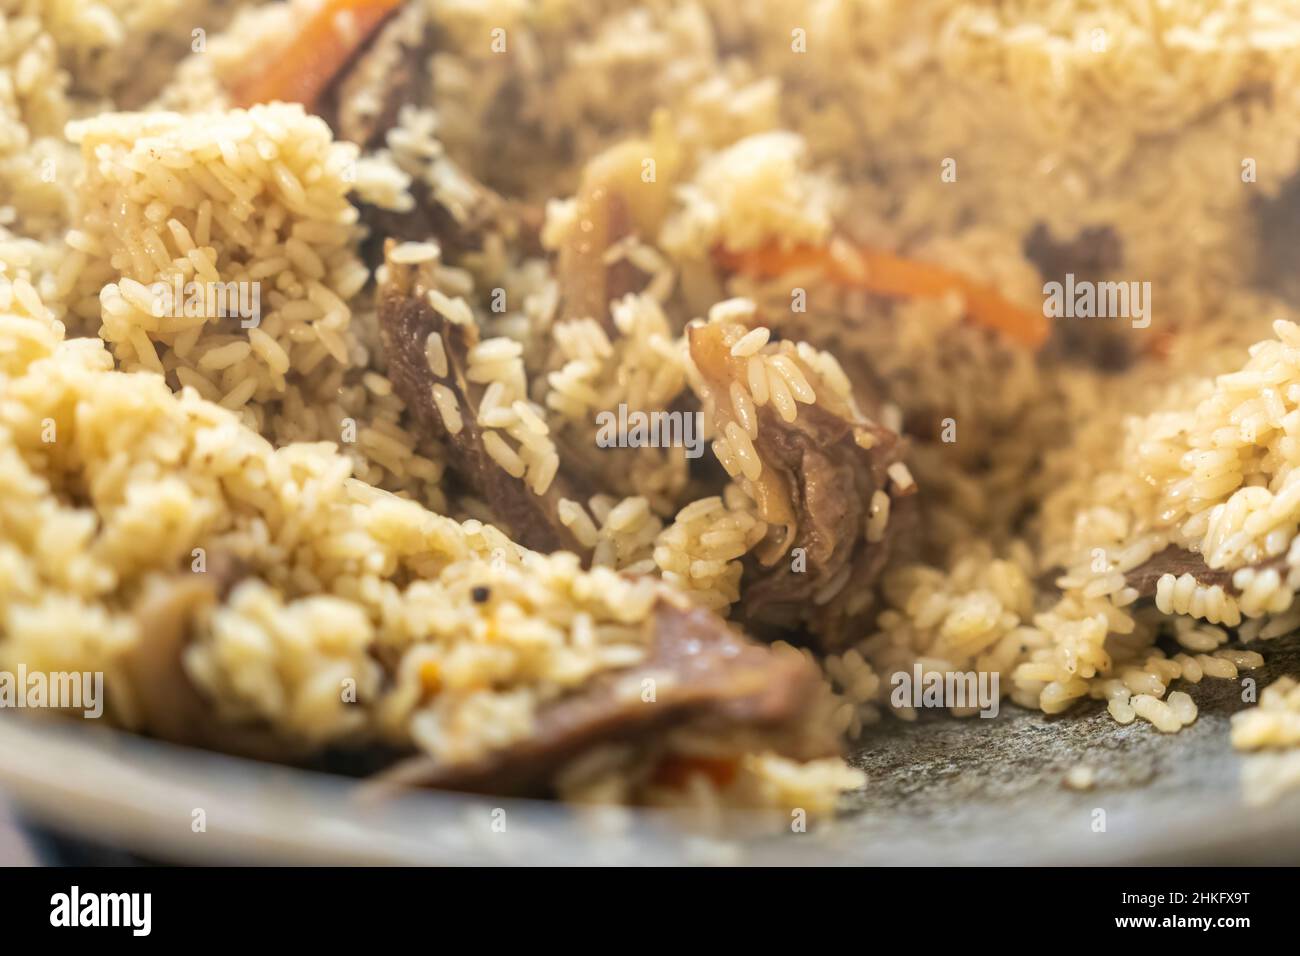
{"type": "Point", "coordinates": [362, 500]}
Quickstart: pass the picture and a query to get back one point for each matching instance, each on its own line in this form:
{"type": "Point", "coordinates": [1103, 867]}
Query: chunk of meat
{"type": "Point", "coordinates": [362, 102]}
{"type": "Point", "coordinates": [1090, 255]}
{"type": "Point", "coordinates": [581, 271]}
{"type": "Point", "coordinates": [169, 706]}
{"type": "Point", "coordinates": [167, 703]}
{"type": "Point", "coordinates": [706, 676]}
{"type": "Point", "coordinates": [1276, 238]}
{"type": "Point", "coordinates": [406, 320]}
{"type": "Point", "coordinates": [815, 483]}
{"type": "Point", "coordinates": [1179, 561]}
{"type": "Point", "coordinates": [625, 190]}
{"type": "Point", "coordinates": [458, 229]}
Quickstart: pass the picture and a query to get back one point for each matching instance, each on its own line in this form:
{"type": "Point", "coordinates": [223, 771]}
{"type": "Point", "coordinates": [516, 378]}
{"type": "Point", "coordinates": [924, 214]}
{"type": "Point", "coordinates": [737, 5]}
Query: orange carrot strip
{"type": "Point", "coordinates": [887, 274]}
{"type": "Point", "coordinates": [319, 49]}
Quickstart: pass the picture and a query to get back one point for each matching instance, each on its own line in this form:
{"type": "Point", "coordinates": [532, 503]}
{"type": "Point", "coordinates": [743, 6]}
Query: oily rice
{"type": "Point", "coordinates": [278, 439]}
{"type": "Point", "coordinates": [299, 621]}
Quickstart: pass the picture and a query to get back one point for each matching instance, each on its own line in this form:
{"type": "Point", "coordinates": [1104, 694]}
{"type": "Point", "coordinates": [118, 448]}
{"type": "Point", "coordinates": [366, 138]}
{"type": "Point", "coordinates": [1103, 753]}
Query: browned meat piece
{"type": "Point", "coordinates": [362, 105]}
{"type": "Point", "coordinates": [587, 282]}
{"type": "Point", "coordinates": [406, 319]}
{"type": "Point", "coordinates": [1276, 237]}
{"type": "Point", "coordinates": [828, 326]}
{"type": "Point", "coordinates": [363, 102]}
{"type": "Point", "coordinates": [169, 705]}
{"type": "Point", "coordinates": [458, 230]}
{"type": "Point", "coordinates": [165, 613]}
{"type": "Point", "coordinates": [1092, 254]}
{"type": "Point", "coordinates": [614, 200]}
{"type": "Point", "coordinates": [707, 676]}
{"type": "Point", "coordinates": [819, 474]}
{"type": "Point", "coordinates": [1177, 561]}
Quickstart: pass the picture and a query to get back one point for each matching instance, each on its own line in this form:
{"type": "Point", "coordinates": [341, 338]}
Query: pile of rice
{"type": "Point", "coordinates": [346, 585]}
{"type": "Point", "coordinates": [948, 133]}
{"type": "Point", "coordinates": [1272, 730]}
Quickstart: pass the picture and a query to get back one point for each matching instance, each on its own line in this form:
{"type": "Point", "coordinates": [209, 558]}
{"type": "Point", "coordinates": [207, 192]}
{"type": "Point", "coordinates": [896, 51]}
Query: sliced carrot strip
{"type": "Point", "coordinates": [887, 274]}
{"type": "Point", "coordinates": [315, 54]}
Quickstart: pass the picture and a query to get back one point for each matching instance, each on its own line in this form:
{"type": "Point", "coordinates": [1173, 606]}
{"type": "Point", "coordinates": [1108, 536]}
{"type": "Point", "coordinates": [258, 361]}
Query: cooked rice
{"type": "Point", "coordinates": [1043, 481]}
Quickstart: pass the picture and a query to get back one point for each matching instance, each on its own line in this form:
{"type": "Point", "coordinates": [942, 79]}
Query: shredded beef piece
{"type": "Point", "coordinates": [167, 612]}
{"type": "Point", "coordinates": [614, 201]}
{"type": "Point", "coordinates": [587, 283]}
{"type": "Point", "coordinates": [819, 474]}
{"type": "Point", "coordinates": [1178, 561]}
{"type": "Point", "coordinates": [363, 101]}
{"type": "Point", "coordinates": [1090, 256]}
{"type": "Point", "coordinates": [363, 104]}
{"type": "Point", "coordinates": [405, 320]}
{"type": "Point", "coordinates": [706, 676]}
